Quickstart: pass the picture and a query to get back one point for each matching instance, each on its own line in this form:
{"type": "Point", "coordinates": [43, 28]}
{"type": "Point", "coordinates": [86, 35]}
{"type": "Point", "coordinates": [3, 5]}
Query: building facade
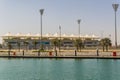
{"type": "Point", "coordinates": [31, 41]}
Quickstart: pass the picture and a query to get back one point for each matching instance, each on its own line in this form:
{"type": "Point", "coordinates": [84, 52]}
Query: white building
{"type": "Point", "coordinates": [33, 40]}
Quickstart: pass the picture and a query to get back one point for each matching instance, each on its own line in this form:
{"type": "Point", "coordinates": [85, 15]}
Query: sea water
{"type": "Point", "coordinates": [59, 69]}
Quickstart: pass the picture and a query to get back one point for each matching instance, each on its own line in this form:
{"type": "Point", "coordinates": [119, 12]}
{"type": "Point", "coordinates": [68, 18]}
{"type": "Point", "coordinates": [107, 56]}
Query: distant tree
{"type": "Point", "coordinates": [42, 47]}
{"type": "Point", "coordinates": [0, 45]}
{"type": "Point", "coordinates": [55, 42]}
{"type": "Point", "coordinates": [9, 46]}
{"type": "Point", "coordinates": [26, 44]}
{"type": "Point", "coordinates": [78, 44]}
{"type": "Point", "coordinates": [35, 44]}
{"type": "Point", "coordinates": [105, 43]}
{"type": "Point", "coordinates": [18, 44]}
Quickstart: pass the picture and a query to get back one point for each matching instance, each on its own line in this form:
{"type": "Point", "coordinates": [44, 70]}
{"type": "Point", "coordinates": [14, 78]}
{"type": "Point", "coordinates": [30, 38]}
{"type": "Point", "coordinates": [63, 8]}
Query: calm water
{"type": "Point", "coordinates": [59, 69]}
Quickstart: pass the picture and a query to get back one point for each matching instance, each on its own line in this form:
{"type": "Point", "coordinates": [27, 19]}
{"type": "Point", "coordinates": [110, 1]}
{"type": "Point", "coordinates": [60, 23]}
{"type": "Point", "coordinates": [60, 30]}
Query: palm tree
{"type": "Point", "coordinates": [9, 48]}
{"type": "Point", "coordinates": [18, 44]}
{"type": "Point", "coordinates": [43, 45]}
{"type": "Point", "coordinates": [78, 44]}
{"type": "Point", "coordinates": [105, 43]}
{"type": "Point", "coordinates": [102, 43]}
{"type": "Point", "coordinates": [55, 42]}
{"type": "Point", "coordinates": [35, 44]}
{"type": "Point", "coordinates": [0, 45]}
{"type": "Point", "coordinates": [26, 44]}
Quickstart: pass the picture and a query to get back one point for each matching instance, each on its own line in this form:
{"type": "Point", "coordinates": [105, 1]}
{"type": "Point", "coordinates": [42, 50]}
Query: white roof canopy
{"type": "Point", "coordinates": [49, 35]}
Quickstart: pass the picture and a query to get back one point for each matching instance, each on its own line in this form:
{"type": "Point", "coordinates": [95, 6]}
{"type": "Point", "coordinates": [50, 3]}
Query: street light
{"type": "Point", "coordinates": [79, 20]}
{"type": "Point", "coordinates": [115, 6]}
{"type": "Point", "coordinates": [79, 27]}
{"type": "Point", "coordinates": [60, 38]}
{"type": "Point", "coordinates": [41, 13]}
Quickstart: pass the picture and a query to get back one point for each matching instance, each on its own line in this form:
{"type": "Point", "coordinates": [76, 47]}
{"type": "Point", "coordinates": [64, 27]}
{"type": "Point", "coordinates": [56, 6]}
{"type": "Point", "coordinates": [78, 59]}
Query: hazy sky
{"type": "Point", "coordinates": [97, 17]}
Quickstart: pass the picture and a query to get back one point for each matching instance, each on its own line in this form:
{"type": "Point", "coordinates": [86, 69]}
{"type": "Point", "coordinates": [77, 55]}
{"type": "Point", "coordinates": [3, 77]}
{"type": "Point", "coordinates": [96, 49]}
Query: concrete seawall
{"type": "Point", "coordinates": [79, 55]}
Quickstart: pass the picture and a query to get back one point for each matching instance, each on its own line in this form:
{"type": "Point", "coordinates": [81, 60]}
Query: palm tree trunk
{"type": "Point", "coordinates": [106, 48]}
{"type": "Point", "coordinates": [19, 48]}
{"type": "Point", "coordinates": [55, 47]}
{"type": "Point", "coordinates": [35, 46]}
{"type": "Point", "coordinates": [26, 47]}
{"type": "Point", "coordinates": [103, 48]}
{"type": "Point", "coordinates": [80, 48]}
{"type": "Point", "coordinates": [77, 48]}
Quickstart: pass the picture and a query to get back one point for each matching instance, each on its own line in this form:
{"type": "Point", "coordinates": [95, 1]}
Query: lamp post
{"type": "Point", "coordinates": [115, 6]}
{"type": "Point", "coordinates": [40, 39]}
{"type": "Point", "coordinates": [79, 20]}
{"type": "Point", "coordinates": [79, 27]}
{"type": "Point", "coordinates": [60, 38]}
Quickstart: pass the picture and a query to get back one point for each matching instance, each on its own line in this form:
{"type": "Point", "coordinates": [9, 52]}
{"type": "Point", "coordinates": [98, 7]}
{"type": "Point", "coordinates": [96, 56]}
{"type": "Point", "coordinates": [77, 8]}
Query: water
{"type": "Point", "coordinates": [59, 69]}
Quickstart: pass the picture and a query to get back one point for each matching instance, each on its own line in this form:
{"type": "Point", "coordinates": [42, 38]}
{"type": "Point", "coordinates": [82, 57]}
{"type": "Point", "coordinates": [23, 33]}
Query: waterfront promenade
{"type": "Point", "coordinates": [90, 54]}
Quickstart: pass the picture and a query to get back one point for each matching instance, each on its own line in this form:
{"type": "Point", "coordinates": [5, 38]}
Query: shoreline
{"type": "Point", "coordinates": [62, 55]}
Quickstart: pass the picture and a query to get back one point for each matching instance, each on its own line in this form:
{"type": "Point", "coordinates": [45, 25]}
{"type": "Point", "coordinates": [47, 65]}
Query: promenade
{"type": "Point", "coordinates": [63, 54]}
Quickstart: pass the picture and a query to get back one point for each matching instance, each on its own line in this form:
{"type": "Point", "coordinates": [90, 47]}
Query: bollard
{"type": "Point", "coordinates": [8, 53]}
{"type": "Point", "coordinates": [39, 53]}
{"type": "Point", "coordinates": [56, 52]}
{"type": "Point", "coordinates": [23, 52]}
{"type": "Point", "coordinates": [75, 53]}
{"type": "Point", "coordinates": [14, 53]}
{"type": "Point", "coordinates": [50, 53]}
{"type": "Point", "coordinates": [114, 53]}
{"type": "Point", "coordinates": [97, 51]}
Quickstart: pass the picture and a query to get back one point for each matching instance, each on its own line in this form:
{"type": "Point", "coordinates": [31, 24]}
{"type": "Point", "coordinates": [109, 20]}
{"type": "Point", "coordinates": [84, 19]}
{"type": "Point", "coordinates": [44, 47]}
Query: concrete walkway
{"type": "Point", "coordinates": [79, 55]}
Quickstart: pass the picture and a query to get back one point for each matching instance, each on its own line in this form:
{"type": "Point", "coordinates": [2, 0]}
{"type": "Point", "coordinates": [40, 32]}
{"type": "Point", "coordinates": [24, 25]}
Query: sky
{"type": "Point", "coordinates": [23, 16]}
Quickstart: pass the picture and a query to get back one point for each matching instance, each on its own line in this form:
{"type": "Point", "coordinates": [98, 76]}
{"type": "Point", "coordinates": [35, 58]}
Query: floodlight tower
{"type": "Point", "coordinates": [41, 13]}
{"type": "Point", "coordinates": [115, 7]}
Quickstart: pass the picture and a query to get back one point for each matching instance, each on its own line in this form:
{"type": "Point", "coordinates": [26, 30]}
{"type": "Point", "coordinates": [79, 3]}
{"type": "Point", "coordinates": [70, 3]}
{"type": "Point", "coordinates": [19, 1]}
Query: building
{"type": "Point", "coordinates": [33, 41]}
